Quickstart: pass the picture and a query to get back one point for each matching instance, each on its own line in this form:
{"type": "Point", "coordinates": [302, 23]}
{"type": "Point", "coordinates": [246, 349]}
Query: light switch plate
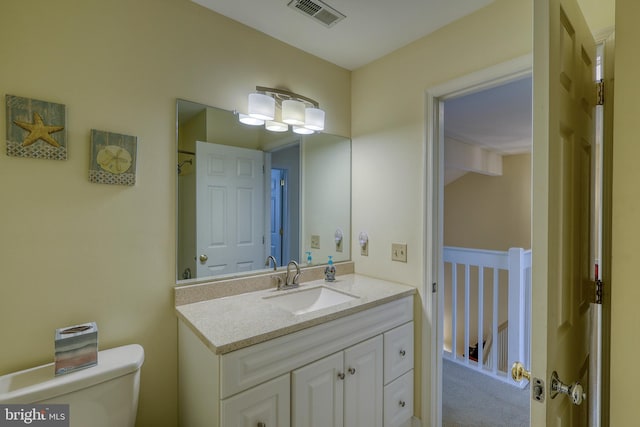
{"type": "Point", "coordinates": [399, 252]}
{"type": "Point", "coordinates": [315, 241]}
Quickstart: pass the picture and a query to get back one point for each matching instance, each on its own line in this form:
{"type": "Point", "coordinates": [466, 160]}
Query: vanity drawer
{"type": "Point", "coordinates": [398, 401]}
{"type": "Point", "coordinates": [398, 352]}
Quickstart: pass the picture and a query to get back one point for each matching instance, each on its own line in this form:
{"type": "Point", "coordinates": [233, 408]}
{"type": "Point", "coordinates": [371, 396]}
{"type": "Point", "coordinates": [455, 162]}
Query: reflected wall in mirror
{"type": "Point", "coordinates": [245, 193]}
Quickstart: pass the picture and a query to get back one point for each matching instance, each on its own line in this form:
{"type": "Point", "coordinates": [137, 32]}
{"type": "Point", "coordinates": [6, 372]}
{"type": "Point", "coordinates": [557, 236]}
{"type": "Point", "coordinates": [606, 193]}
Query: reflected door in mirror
{"type": "Point", "coordinates": [229, 209]}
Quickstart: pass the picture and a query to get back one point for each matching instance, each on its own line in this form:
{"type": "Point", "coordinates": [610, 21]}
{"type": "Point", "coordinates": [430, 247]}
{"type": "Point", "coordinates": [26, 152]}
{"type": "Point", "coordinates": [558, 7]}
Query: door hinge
{"type": "Point", "coordinates": [434, 287]}
{"type": "Point", "coordinates": [600, 92]}
{"type": "Point", "coordinates": [282, 183]}
{"type": "Point", "coordinates": [596, 291]}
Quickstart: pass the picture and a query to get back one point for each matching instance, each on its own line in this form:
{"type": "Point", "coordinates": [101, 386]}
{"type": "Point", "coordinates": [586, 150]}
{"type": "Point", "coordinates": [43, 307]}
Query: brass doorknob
{"type": "Point", "coordinates": [518, 372]}
{"type": "Point", "coordinates": [204, 258]}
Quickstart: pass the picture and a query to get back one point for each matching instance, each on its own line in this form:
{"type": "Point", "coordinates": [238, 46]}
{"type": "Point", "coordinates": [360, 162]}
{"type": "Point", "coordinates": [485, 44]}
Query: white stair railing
{"type": "Point", "coordinates": [512, 332]}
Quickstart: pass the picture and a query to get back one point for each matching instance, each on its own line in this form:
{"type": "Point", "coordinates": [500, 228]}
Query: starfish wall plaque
{"type": "Point", "coordinates": [36, 128]}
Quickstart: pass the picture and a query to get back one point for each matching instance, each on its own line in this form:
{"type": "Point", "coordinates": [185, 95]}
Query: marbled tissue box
{"type": "Point", "coordinates": [76, 347]}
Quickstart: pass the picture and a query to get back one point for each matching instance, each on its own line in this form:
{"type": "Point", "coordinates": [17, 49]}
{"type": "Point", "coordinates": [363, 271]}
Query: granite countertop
{"type": "Point", "coordinates": [231, 323]}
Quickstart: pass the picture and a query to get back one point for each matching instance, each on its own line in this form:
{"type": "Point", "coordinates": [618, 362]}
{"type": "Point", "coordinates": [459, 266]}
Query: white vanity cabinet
{"type": "Point", "coordinates": [329, 374]}
{"type": "Point", "coordinates": [344, 389]}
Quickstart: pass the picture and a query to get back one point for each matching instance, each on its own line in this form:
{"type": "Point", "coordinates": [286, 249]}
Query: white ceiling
{"type": "Point", "coordinates": [371, 29]}
{"type": "Point", "coordinates": [498, 119]}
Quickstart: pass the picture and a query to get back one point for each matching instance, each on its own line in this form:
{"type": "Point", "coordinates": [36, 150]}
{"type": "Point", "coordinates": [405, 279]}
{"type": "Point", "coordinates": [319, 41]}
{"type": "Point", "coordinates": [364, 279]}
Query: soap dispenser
{"type": "Point", "coordinates": [330, 271]}
{"type": "Point", "coordinates": [308, 257]}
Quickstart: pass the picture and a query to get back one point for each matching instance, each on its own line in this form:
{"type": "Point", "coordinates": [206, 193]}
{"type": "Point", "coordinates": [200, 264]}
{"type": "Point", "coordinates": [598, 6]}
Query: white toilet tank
{"type": "Point", "coordinates": [105, 395]}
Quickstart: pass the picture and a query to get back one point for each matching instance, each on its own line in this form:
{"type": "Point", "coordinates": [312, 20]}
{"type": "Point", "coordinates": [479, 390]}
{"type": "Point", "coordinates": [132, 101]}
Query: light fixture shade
{"type": "Point", "coordinates": [293, 112]}
{"type": "Point", "coordinates": [302, 130]}
{"type": "Point", "coordinates": [276, 126]}
{"type": "Point", "coordinates": [314, 119]}
{"type": "Point", "coordinates": [248, 120]}
{"type": "Point", "coordinates": [262, 106]}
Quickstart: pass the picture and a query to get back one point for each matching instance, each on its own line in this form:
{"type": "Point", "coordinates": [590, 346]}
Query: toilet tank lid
{"type": "Point", "coordinates": [40, 383]}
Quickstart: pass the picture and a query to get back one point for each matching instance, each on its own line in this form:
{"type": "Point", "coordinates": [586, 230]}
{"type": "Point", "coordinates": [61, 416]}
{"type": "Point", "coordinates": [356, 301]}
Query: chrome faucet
{"type": "Point", "coordinates": [293, 283]}
{"type": "Point", "coordinates": [271, 258]}
{"type": "Point", "coordinates": [277, 278]}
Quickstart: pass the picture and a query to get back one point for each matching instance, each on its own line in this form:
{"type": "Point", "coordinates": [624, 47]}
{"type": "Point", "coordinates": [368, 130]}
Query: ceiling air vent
{"type": "Point", "coordinates": [317, 10]}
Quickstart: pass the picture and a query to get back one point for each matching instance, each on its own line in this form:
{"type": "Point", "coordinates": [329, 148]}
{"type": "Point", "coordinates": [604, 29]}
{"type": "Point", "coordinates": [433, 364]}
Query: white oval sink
{"type": "Point", "coordinates": [307, 300]}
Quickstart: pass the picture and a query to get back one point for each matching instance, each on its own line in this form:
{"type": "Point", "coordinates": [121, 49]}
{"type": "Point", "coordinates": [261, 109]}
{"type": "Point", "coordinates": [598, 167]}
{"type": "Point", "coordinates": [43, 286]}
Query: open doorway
{"type": "Point", "coordinates": [481, 153]}
{"type": "Point", "coordinates": [486, 254]}
{"type": "Point", "coordinates": [284, 218]}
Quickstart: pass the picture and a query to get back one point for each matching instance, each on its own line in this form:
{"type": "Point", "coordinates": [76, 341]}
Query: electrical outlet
{"type": "Point", "coordinates": [315, 241]}
{"type": "Point", "coordinates": [399, 252]}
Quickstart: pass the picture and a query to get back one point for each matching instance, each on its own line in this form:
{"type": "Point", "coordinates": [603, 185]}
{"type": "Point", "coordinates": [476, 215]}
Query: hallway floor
{"type": "Point", "coordinates": [471, 399]}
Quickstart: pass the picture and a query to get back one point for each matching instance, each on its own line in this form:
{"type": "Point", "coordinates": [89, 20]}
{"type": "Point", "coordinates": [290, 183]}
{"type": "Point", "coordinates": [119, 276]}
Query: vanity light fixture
{"type": "Point", "coordinates": [303, 113]}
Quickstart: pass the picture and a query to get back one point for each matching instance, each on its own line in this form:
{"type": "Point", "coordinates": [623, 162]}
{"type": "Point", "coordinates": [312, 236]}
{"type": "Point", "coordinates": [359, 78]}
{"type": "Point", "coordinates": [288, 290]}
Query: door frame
{"type": "Point", "coordinates": [433, 166]}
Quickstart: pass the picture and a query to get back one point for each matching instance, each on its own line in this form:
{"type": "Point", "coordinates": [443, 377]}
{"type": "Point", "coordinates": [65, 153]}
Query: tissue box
{"type": "Point", "coordinates": [76, 347]}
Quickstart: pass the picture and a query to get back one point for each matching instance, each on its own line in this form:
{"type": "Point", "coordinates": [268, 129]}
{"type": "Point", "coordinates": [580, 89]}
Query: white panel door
{"type": "Point", "coordinates": [564, 97]}
{"type": "Point", "coordinates": [230, 203]}
{"type": "Point", "coordinates": [363, 385]}
{"type": "Point", "coordinates": [318, 393]}
{"type": "Point", "coordinates": [266, 405]}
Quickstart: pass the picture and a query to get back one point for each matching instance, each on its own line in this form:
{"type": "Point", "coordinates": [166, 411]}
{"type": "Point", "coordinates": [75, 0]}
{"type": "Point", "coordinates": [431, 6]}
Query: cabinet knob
{"type": "Point", "coordinates": [402, 403]}
{"type": "Point", "coordinates": [352, 371]}
{"type": "Point", "coordinates": [341, 375]}
{"type": "Point", "coordinates": [403, 353]}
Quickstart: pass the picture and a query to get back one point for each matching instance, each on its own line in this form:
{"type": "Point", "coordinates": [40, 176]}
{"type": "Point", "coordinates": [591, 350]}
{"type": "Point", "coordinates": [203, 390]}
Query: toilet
{"type": "Point", "coordinates": [105, 395]}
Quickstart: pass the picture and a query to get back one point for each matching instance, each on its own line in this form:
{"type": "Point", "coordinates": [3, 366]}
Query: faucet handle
{"type": "Point", "coordinates": [278, 280]}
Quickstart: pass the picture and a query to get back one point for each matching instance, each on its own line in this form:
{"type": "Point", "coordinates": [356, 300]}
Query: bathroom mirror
{"type": "Point", "coordinates": [245, 193]}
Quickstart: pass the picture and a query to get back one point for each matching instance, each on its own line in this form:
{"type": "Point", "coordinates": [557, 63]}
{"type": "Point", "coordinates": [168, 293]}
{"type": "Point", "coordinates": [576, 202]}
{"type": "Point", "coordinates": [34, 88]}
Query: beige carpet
{"type": "Point", "coordinates": [471, 399]}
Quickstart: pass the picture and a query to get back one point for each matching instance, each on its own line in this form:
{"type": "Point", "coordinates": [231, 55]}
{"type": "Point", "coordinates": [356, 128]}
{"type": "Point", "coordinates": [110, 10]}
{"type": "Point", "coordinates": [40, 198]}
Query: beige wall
{"type": "Point", "coordinates": [388, 127]}
{"type": "Point", "coordinates": [72, 251]}
{"type": "Point", "coordinates": [490, 212]}
{"type": "Point", "coordinates": [388, 130]}
{"type": "Point", "coordinates": [625, 291]}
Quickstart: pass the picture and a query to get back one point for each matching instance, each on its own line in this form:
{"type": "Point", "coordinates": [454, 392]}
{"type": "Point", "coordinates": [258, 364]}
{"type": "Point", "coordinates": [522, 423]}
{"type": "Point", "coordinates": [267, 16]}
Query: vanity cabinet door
{"type": "Point", "coordinates": [317, 393]}
{"type": "Point", "coordinates": [363, 384]}
{"type": "Point", "coordinates": [266, 405]}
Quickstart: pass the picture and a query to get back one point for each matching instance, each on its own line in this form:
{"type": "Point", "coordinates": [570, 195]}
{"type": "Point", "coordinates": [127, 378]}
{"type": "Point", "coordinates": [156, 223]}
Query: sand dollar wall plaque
{"type": "Point", "coordinates": [36, 128]}
{"type": "Point", "coordinates": [113, 158]}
